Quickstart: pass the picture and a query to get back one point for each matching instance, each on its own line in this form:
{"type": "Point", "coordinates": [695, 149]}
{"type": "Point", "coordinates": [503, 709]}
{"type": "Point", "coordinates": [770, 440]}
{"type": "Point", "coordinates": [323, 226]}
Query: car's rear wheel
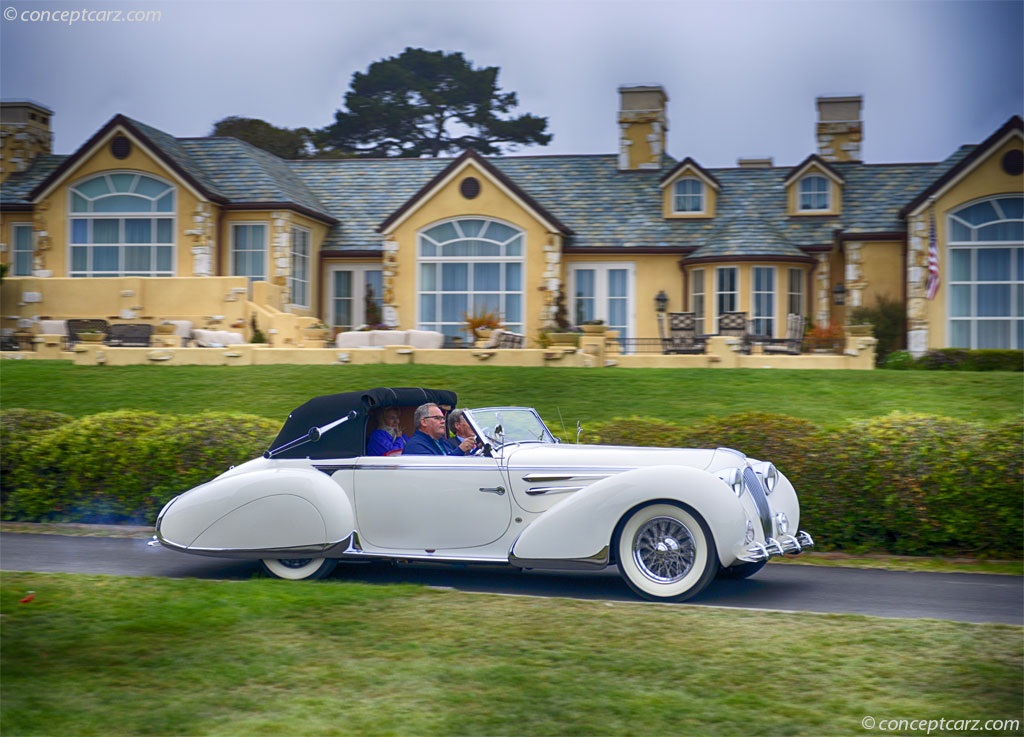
{"type": "Point", "coordinates": [298, 569]}
{"type": "Point", "coordinates": [666, 552]}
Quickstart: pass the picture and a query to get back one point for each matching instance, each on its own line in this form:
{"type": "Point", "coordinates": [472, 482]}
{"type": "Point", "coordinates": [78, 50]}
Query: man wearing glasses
{"type": "Point", "coordinates": [429, 437]}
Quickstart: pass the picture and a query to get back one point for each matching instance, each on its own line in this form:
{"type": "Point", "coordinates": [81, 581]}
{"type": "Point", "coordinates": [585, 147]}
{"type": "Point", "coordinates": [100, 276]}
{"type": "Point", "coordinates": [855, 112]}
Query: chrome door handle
{"type": "Point", "coordinates": [499, 490]}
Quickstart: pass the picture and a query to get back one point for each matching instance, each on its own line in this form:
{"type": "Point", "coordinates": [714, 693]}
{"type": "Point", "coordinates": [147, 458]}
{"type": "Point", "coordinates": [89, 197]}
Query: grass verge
{"type": "Point", "coordinates": [828, 398]}
{"type": "Point", "coordinates": [96, 655]}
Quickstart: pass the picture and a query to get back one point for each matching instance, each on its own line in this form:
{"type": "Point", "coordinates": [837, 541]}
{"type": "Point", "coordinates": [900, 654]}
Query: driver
{"type": "Point", "coordinates": [429, 437]}
{"type": "Point", "coordinates": [462, 430]}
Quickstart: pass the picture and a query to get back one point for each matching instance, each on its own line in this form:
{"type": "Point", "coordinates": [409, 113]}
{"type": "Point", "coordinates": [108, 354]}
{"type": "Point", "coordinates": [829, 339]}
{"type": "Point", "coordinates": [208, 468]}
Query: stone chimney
{"type": "Point", "coordinates": [840, 130]}
{"type": "Point", "coordinates": [24, 134]}
{"type": "Point", "coordinates": [643, 127]}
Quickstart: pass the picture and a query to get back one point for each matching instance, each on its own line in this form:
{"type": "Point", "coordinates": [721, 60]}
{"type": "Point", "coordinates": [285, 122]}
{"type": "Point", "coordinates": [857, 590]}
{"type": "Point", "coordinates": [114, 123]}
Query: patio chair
{"type": "Point", "coordinates": [682, 334]}
{"type": "Point", "coordinates": [129, 335]}
{"type": "Point", "coordinates": [78, 325]}
{"type": "Point", "coordinates": [735, 325]}
{"type": "Point", "coordinates": [792, 344]}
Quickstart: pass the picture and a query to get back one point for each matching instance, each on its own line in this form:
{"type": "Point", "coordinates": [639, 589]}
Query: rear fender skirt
{"type": "Point", "coordinates": [269, 509]}
{"type": "Point", "coordinates": [580, 528]}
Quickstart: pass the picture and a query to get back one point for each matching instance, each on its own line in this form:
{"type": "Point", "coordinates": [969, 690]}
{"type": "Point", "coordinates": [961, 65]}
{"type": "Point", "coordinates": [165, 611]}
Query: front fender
{"type": "Point", "coordinates": [261, 510]}
{"type": "Point", "coordinates": [581, 527]}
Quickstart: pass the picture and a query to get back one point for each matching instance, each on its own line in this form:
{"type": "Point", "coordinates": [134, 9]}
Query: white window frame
{"type": "Point", "coordinates": [21, 257]}
{"type": "Point", "coordinates": [1013, 281]}
{"type": "Point", "coordinates": [720, 294]}
{"type": "Point", "coordinates": [681, 199]}
{"type": "Point", "coordinates": [601, 297]}
{"type": "Point", "coordinates": [265, 250]}
{"type": "Point", "coordinates": [698, 297]}
{"type": "Point", "coordinates": [358, 296]}
{"type": "Point", "coordinates": [795, 292]}
{"type": "Point", "coordinates": [299, 278]}
{"type": "Point", "coordinates": [806, 196]}
{"type": "Point", "coordinates": [451, 328]}
{"type": "Point", "coordinates": [762, 301]}
{"type": "Point", "coordinates": [77, 196]}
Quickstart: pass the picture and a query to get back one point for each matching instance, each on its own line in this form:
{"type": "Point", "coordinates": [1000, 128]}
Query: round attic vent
{"type": "Point", "coordinates": [1013, 162]}
{"type": "Point", "coordinates": [469, 187]}
{"type": "Point", "coordinates": [120, 147]}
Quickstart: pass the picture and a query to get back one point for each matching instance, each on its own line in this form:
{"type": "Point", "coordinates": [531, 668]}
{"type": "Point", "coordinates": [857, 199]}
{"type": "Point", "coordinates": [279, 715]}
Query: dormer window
{"type": "Point", "coordinates": [814, 193]}
{"type": "Point", "coordinates": [688, 195]}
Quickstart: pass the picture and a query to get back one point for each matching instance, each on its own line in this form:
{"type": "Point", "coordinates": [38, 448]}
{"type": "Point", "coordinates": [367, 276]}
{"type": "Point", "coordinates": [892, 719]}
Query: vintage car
{"type": "Point", "coordinates": [671, 519]}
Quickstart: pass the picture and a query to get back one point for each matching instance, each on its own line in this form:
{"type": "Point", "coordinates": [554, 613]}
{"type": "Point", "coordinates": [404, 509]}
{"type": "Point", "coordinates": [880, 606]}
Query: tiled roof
{"type": "Point", "coordinates": [15, 190]}
{"type": "Point", "coordinates": [602, 207]}
{"type": "Point", "coordinates": [245, 174]}
{"type": "Point", "coordinates": [361, 193]}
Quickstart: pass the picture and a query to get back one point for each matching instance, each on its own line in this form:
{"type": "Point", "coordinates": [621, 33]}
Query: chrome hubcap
{"type": "Point", "coordinates": [295, 562]}
{"type": "Point", "coordinates": [664, 550]}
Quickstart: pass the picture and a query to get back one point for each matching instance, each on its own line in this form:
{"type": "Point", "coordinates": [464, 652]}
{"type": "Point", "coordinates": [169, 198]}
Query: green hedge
{"type": "Point", "coordinates": [903, 484]}
{"type": "Point", "coordinates": [123, 466]}
{"type": "Point", "coordinates": [957, 359]}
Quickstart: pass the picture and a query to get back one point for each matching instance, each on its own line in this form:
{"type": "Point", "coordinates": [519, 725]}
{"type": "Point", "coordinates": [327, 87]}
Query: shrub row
{"type": "Point", "coordinates": [903, 484]}
{"type": "Point", "coordinates": [956, 359]}
{"type": "Point", "coordinates": [117, 467]}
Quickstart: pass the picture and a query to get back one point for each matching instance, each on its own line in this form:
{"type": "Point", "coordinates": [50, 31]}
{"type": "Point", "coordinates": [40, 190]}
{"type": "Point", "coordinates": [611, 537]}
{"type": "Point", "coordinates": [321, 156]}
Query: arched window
{"type": "Point", "coordinates": [986, 274]}
{"type": "Point", "coordinates": [814, 193]}
{"type": "Point", "coordinates": [688, 195]}
{"type": "Point", "coordinates": [470, 266]}
{"type": "Point", "coordinates": [122, 224]}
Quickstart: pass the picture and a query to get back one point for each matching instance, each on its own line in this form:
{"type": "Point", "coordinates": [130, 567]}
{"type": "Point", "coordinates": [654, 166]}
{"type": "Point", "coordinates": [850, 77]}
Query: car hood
{"type": "Point", "coordinates": [564, 455]}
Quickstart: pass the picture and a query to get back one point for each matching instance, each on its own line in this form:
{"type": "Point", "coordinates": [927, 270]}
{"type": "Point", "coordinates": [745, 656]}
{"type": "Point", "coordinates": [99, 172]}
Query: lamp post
{"type": "Point", "coordinates": [839, 294]}
{"type": "Point", "coordinates": [661, 304]}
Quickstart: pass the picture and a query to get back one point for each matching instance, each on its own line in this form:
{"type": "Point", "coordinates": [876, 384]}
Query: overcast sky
{"type": "Point", "coordinates": [741, 76]}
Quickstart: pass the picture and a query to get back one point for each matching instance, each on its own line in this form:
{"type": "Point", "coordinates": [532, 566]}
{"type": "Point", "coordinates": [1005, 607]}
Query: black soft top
{"type": "Point", "coordinates": [348, 439]}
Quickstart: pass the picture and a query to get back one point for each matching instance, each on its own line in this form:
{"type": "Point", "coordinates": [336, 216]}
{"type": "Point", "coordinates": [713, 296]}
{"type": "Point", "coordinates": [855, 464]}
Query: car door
{"type": "Point", "coordinates": [435, 503]}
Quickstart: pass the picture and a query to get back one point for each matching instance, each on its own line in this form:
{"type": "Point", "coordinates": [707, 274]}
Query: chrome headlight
{"type": "Point", "coordinates": [733, 478]}
{"type": "Point", "coordinates": [769, 475]}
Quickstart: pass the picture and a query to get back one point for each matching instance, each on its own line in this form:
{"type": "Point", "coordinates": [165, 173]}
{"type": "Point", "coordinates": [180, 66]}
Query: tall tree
{"type": "Point", "coordinates": [283, 142]}
{"type": "Point", "coordinates": [426, 103]}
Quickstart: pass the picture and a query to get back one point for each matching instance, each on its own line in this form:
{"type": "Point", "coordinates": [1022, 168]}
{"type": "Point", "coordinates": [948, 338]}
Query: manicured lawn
{"type": "Point", "coordinates": [104, 655]}
{"type": "Point", "coordinates": [562, 396]}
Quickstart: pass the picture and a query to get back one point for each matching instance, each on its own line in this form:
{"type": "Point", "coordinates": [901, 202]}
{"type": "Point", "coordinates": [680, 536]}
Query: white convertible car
{"type": "Point", "coordinates": [671, 519]}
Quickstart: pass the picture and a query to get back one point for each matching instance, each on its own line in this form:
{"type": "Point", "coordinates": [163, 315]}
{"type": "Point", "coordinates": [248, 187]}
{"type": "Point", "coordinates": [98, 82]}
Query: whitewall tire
{"type": "Point", "coordinates": [305, 569]}
{"type": "Point", "coordinates": [666, 552]}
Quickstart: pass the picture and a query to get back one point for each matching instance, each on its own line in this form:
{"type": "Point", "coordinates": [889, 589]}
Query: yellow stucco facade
{"type": "Point", "coordinates": [259, 241]}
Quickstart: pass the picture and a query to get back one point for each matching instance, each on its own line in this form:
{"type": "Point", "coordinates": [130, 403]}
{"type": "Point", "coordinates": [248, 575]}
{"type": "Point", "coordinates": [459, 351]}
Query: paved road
{"type": "Point", "coordinates": [953, 596]}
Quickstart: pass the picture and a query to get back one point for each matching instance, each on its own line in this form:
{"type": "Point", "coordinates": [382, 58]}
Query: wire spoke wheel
{"type": "Point", "coordinates": [666, 552]}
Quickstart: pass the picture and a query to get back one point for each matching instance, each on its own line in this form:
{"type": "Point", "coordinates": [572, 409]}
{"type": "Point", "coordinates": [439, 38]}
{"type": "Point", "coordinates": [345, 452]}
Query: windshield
{"type": "Point", "coordinates": [502, 425]}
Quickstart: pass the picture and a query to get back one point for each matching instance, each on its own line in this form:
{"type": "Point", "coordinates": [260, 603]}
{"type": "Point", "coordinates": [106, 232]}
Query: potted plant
{"type": "Point", "coordinates": [91, 336]}
{"type": "Point", "coordinates": [165, 328]}
{"type": "Point", "coordinates": [482, 324]}
{"type": "Point", "coordinates": [316, 331]}
{"type": "Point", "coordinates": [593, 327]}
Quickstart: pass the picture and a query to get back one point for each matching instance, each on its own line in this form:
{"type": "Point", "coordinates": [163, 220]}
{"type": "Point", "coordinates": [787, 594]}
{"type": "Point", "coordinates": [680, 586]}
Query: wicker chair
{"type": "Point", "coordinates": [735, 325]}
{"type": "Point", "coordinates": [129, 335]}
{"type": "Point", "coordinates": [792, 344]}
{"type": "Point", "coordinates": [682, 334]}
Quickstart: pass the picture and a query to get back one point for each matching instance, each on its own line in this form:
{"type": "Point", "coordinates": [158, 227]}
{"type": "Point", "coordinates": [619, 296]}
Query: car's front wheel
{"type": "Point", "coordinates": [666, 552]}
{"type": "Point", "coordinates": [298, 569]}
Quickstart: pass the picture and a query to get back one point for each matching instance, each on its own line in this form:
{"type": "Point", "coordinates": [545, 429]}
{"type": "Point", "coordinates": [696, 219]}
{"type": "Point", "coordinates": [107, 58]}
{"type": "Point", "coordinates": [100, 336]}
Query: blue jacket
{"type": "Point", "coordinates": [421, 444]}
{"type": "Point", "coordinates": [381, 443]}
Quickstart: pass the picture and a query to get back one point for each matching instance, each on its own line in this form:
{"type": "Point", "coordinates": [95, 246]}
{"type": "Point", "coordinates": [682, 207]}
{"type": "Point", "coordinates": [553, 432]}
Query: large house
{"type": "Point", "coordinates": [422, 243]}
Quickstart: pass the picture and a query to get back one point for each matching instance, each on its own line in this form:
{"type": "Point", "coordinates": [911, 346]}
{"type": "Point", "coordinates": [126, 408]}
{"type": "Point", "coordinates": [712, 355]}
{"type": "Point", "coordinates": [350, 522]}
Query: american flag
{"type": "Point", "coordinates": [932, 285]}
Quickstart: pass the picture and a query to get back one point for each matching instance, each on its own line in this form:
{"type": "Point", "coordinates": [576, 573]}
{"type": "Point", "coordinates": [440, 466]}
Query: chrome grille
{"type": "Point", "coordinates": [757, 493]}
